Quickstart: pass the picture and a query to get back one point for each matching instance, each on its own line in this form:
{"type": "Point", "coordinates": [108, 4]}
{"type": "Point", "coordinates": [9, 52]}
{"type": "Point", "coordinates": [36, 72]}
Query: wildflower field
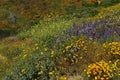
{"type": "Point", "coordinates": [59, 40]}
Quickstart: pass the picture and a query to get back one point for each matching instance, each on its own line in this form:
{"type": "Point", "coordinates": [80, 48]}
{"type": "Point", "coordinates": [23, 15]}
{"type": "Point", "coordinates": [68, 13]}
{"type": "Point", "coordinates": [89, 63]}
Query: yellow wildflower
{"type": "Point", "coordinates": [63, 78]}
{"type": "Point", "coordinates": [52, 72]}
{"type": "Point", "coordinates": [23, 71]}
{"type": "Point", "coordinates": [24, 55]}
{"type": "Point", "coordinates": [45, 49]}
{"type": "Point", "coordinates": [67, 48]}
{"type": "Point", "coordinates": [41, 72]}
{"type": "Point", "coordinates": [52, 52]}
{"type": "Point", "coordinates": [41, 53]}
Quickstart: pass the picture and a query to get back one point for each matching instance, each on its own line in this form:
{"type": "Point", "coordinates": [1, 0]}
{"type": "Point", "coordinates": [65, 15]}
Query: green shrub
{"type": "Point", "coordinates": [32, 66]}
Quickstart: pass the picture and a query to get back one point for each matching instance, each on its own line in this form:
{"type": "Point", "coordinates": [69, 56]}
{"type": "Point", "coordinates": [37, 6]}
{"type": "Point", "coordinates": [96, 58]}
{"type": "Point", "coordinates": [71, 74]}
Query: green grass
{"type": "Point", "coordinates": [48, 29]}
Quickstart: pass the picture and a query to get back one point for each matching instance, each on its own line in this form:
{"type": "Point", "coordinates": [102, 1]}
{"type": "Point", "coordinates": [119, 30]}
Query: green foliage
{"type": "Point", "coordinates": [32, 66]}
{"type": "Point", "coordinates": [47, 29]}
{"type": "Point", "coordinates": [107, 3]}
{"type": "Point", "coordinates": [85, 3]}
{"type": "Point", "coordinates": [81, 11]}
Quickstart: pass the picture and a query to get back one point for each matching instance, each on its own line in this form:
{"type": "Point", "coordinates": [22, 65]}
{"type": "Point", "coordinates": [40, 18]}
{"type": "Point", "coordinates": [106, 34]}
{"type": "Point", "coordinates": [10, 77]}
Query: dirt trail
{"type": "Point", "coordinates": [7, 40]}
{"type": "Point", "coordinates": [2, 58]}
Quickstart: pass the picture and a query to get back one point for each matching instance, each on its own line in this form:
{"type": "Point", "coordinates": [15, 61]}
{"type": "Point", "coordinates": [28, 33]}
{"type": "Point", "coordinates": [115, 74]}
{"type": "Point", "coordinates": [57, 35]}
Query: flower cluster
{"type": "Point", "coordinates": [99, 71]}
{"type": "Point", "coordinates": [73, 52]}
{"type": "Point", "coordinates": [63, 78]}
{"type": "Point", "coordinates": [112, 48]}
{"type": "Point", "coordinates": [80, 44]}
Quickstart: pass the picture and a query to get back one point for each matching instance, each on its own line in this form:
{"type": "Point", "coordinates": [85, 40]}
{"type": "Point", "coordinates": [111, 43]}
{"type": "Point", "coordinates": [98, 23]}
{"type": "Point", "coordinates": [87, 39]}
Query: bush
{"type": "Point", "coordinates": [33, 66]}
{"type": "Point", "coordinates": [99, 71]}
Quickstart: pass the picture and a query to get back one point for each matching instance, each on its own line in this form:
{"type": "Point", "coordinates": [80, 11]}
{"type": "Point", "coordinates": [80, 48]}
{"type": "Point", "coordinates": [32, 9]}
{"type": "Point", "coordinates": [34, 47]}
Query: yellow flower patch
{"type": "Point", "coordinates": [99, 71]}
